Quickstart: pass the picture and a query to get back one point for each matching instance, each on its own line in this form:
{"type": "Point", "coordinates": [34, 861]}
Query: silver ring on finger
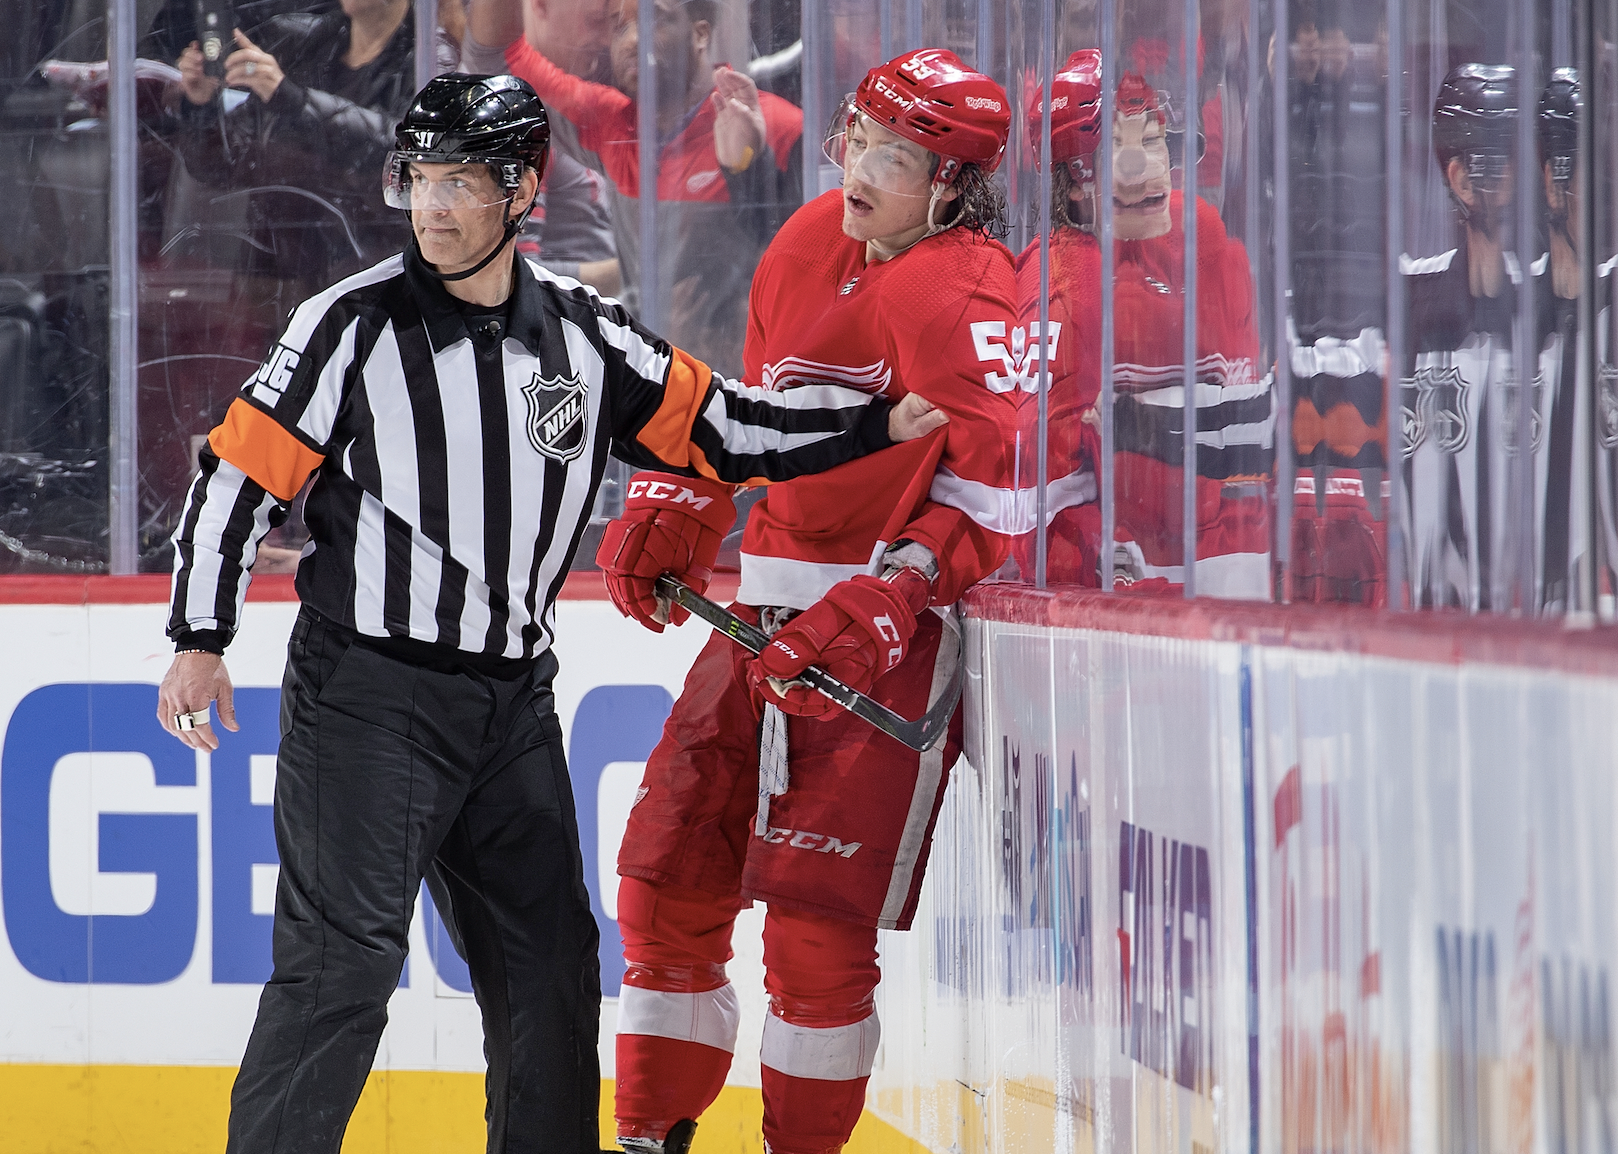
{"type": "Point", "coordinates": [183, 721]}
{"type": "Point", "coordinates": [252, 67]}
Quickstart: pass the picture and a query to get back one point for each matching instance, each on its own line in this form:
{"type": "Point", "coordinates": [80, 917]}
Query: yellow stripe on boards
{"type": "Point", "coordinates": [184, 1109]}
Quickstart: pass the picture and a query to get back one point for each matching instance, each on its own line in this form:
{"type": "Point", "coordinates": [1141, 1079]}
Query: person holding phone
{"type": "Point", "coordinates": [300, 120]}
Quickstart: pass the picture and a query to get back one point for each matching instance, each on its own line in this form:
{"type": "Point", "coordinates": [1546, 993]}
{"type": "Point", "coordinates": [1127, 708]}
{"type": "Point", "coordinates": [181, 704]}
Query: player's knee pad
{"type": "Point", "coordinates": [670, 929]}
{"type": "Point", "coordinates": [820, 972]}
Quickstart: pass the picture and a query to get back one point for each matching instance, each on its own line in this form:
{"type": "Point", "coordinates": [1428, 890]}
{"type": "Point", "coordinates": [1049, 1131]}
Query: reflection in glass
{"type": "Point", "coordinates": [1235, 414]}
{"type": "Point", "coordinates": [1335, 328]}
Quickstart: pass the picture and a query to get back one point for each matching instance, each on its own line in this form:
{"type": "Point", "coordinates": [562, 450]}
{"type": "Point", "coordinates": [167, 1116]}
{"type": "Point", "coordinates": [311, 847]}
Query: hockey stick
{"type": "Point", "coordinates": [921, 734]}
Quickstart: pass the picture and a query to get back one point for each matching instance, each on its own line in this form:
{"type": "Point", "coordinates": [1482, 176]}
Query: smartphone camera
{"type": "Point", "coordinates": [215, 22]}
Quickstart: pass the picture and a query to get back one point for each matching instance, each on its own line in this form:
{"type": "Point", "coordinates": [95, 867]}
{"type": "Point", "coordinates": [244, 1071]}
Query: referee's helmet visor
{"type": "Point", "coordinates": [428, 185]}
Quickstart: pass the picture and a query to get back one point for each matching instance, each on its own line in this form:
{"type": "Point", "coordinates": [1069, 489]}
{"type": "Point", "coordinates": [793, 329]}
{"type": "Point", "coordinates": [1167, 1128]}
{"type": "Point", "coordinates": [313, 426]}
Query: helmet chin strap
{"type": "Point", "coordinates": [933, 229]}
{"type": "Point", "coordinates": [513, 224]}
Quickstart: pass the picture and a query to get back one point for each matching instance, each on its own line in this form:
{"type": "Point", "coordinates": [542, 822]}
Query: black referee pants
{"type": "Point", "coordinates": [384, 767]}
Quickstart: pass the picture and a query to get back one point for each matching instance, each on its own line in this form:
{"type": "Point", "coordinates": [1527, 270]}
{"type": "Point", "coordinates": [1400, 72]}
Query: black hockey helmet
{"type": "Point", "coordinates": [457, 119]}
{"type": "Point", "coordinates": [1474, 118]}
{"type": "Point", "coordinates": [1559, 108]}
{"type": "Point", "coordinates": [496, 121]}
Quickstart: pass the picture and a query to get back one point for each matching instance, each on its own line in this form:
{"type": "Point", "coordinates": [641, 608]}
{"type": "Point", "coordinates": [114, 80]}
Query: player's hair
{"type": "Point", "coordinates": [1061, 204]}
{"type": "Point", "coordinates": [981, 205]}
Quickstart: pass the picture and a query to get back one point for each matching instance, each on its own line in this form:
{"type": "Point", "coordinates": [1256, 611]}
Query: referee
{"type": "Point", "coordinates": [455, 406]}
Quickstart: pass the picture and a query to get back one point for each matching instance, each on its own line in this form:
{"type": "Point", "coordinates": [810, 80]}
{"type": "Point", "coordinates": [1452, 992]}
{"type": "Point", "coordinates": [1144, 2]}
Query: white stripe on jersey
{"type": "Point", "coordinates": [1076, 488]}
{"type": "Point", "coordinates": [1230, 576]}
{"type": "Point", "coordinates": [425, 578]}
{"type": "Point", "coordinates": [202, 592]}
{"type": "Point", "coordinates": [395, 453]}
{"type": "Point", "coordinates": [306, 317]}
{"type": "Point", "coordinates": [321, 415]}
{"type": "Point", "coordinates": [993, 508]}
{"type": "Point", "coordinates": [1208, 395]}
{"type": "Point", "coordinates": [370, 558]}
{"type": "Point", "coordinates": [752, 439]}
{"type": "Point", "coordinates": [1335, 357]}
{"type": "Point", "coordinates": [788, 582]}
{"type": "Point", "coordinates": [641, 357]}
{"type": "Point", "coordinates": [1417, 266]}
{"type": "Point", "coordinates": [1258, 433]}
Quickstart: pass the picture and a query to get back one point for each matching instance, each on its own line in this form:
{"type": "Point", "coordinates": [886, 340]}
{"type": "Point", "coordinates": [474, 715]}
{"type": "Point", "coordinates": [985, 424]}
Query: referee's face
{"type": "Point", "coordinates": [458, 212]}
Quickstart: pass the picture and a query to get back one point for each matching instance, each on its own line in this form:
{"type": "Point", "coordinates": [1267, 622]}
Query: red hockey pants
{"type": "Point", "coordinates": [677, 1016]}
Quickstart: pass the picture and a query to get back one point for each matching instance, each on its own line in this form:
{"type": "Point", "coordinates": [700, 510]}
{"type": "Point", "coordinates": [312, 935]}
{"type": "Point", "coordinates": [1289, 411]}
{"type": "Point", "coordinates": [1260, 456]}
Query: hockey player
{"type": "Point", "coordinates": [893, 285]}
{"type": "Point", "coordinates": [1459, 404]}
{"type": "Point", "coordinates": [1235, 414]}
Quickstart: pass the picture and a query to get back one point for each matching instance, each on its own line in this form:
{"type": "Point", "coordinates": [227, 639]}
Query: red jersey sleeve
{"type": "Point", "coordinates": [591, 107]}
{"type": "Point", "coordinates": [970, 510]}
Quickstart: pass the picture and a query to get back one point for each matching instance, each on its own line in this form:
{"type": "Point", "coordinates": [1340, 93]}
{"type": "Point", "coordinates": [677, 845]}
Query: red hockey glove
{"type": "Point", "coordinates": [670, 525]}
{"type": "Point", "coordinates": [857, 632]}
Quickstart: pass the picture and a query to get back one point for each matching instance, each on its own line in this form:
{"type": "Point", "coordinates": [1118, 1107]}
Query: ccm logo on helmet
{"type": "Point", "coordinates": [803, 839]}
{"type": "Point", "coordinates": [672, 494]}
{"type": "Point", "coordinates": [982, 103]}
{"type": "Point", "coordinates": [904, 102]}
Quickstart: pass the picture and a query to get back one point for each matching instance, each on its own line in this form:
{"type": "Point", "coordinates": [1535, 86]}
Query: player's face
{"type": "Point", "coordinates": [458, 213]}
{"type": "Point", "coordinates": [887, 183]}
{"type": "Point", "coordinates": [1140, 177]}
{"type": "Point", "coordinates": [1487, 193]}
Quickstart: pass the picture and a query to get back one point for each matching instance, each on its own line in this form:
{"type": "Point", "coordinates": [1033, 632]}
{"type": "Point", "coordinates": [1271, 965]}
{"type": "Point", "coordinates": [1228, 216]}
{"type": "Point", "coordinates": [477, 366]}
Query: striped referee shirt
{"type": "Point", "coordinates": [456, 464]}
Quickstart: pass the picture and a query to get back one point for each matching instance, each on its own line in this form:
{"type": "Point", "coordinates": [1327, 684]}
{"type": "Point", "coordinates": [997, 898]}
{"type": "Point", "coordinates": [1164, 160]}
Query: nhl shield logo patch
{"type": "Point", "coordinates": [557, 408]}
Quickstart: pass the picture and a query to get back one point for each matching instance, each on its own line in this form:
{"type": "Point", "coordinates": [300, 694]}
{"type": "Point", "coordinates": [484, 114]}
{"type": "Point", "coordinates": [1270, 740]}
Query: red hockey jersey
{"type": "Point", "coordinates": [935, 321]}
{"type": "Point", "coordinates": [1235, 406]}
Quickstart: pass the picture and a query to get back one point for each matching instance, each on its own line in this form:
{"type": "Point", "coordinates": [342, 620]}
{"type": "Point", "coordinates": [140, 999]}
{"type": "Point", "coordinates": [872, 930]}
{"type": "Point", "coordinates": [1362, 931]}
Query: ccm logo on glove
{"type": "Point", "coordinates": [671, 524]}
{"type": "Point", "coordinates": [641, 489]}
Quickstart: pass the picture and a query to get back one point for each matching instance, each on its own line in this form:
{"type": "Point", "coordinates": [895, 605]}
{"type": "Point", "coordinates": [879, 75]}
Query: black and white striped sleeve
{"type": "Point", "coordinates": [275, 434]}
{"type": "Point", "coordinates": [669, 410]}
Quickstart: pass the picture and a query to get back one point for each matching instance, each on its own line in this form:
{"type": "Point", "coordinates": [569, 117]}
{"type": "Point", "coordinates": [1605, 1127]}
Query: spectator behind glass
{"type": "Point", "coordinates": [570, 229]}
{"type": "Point", "coordinates": [307, 143]}
{"type": "Point", "coordinates": [729, 167]}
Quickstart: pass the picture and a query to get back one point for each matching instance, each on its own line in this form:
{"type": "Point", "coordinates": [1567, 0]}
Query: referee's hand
{"type": "Point", "coordinates": [914, 417]}
{"type": "Point", "coordinates": [193, 682]}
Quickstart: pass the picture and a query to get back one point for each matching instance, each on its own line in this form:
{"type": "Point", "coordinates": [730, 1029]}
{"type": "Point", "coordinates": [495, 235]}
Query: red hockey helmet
{"type": "Point", "coordinates": [1075, 111]}
{"type": "Point", "coordinates": [931, 98]}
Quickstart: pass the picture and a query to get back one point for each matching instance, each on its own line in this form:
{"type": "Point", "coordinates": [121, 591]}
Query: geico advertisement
{"type": "Point", "coordinates": [137, 877]}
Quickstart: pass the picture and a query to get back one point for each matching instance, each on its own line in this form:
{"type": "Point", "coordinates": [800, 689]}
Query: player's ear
{"type": "Point", "coordinates": [1460, 181]}
{"type": "Point", "coordinates": [527, 189]}
{"type": "Point", "coordinates": [701, 35]}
